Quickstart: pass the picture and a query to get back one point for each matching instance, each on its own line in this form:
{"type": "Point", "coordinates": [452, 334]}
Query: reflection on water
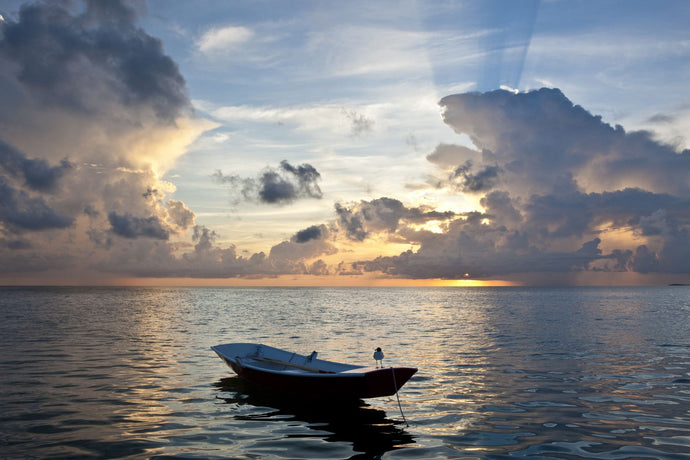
{"type": "Point", "coordinates": [503, 372]}
{"type": "Point", "coordinates": [549, 374]}
{"type": "Point", "coordinates": [366, 429]}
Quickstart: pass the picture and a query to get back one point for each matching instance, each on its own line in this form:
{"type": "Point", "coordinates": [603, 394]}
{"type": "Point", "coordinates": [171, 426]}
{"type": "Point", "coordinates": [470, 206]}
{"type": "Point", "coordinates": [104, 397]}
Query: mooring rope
{"type": "Point", "coordinates": [395, 385]}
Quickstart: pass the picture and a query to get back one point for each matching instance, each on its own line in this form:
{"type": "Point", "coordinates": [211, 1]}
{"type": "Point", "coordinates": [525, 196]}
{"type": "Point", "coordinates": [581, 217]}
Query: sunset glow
{"type": "Point", "coordinates": [308, 281]}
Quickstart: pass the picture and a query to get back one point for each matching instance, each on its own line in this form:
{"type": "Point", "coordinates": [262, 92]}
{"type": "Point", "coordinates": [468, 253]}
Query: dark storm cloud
{"type": "Point", "coordinates": [129, 226]}
{"type": "Point", "coordinates": [421, 215]}
{"type": "Point", "coordinates": [275, 189]}
{"type": "Point", "coordinates": [350, 222]}
{"type": "Point", "coordinates": [38, 174]}
{"type": "Point", "coordinates": [311, 233]}
{"type": "Point", "coordinates": [469, 181]}
{"type": "Point", "coordinates": [99, 49]}
{"type": "Point", "coordinates": [306, 176]}
{"type": "Point", "coordinates": [284, 185]}
{"type": "Point", "coordinates": [20, 211]}
{"type": "Point", "coordinates": [500, 208]}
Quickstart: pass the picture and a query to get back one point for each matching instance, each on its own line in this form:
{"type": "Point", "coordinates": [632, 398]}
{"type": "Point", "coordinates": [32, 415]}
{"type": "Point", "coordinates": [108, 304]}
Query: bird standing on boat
{"type": "Point", "coordinates": [378, 356]}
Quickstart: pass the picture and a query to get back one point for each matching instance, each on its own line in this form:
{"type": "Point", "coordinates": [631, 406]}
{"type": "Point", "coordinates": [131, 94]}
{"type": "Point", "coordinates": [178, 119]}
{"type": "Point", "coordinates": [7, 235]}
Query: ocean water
{"type": "Point", "coordinates": [503, 372]}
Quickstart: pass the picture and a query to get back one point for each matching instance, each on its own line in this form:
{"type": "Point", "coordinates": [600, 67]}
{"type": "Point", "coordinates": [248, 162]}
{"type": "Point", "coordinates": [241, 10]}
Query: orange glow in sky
{"type": "Point", "coordinates": [326, 281]}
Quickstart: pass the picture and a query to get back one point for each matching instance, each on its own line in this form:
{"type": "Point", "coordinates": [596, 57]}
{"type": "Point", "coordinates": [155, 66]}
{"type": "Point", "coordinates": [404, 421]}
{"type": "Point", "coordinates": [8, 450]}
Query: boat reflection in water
{"type": "Point", "coordinates": [307, 425]}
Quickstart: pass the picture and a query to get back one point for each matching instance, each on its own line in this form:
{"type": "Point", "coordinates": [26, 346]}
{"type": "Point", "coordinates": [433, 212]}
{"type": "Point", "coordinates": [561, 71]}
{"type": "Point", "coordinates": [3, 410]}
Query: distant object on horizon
{"type": "Point", "coordinates": [293, 374]}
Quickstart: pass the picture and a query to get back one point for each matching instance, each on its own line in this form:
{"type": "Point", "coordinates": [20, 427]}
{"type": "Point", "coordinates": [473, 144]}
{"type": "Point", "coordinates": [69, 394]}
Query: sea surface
{"type": "Point", "coordinates": [503, 373]}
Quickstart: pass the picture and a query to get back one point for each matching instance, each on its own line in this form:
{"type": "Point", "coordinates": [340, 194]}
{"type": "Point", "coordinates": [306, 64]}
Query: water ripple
{"type": "Point", "coordinates": [504, 373]}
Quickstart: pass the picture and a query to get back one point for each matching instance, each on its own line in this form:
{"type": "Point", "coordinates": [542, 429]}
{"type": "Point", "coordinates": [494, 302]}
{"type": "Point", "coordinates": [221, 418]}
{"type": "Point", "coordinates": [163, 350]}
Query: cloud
{"type": "Point", "coordinates": [468, 181]}
{"type": "Point", "coordinates": [180, 215]}
{"type": "Point", "coordinates": [312, 233]}
{"type": "Point", "coordinates": [291, 256]}
{"type": "Point", "coordinates": [37, 173]}
{"type": "Point", "coordinates": [150, 257]}
{"type": "Point", "coordinates": [15, 244]}
{"type": "Point", "coordinates": [449, 155]}
{"type": "Point", "coordinates": [99, 49]}
{"type": "Point", "coordinates": [360, 220]}
{"type": "Point", "coordinates": [19, 212]}
{"type": "Point", "coordinates": [330, 118]}
{"type": "Point", "coordinates": [219, 40]}
{"type": "Point", "coordinates": [475, 254]}
{"type": "Point", "coordinates": [129, 226]}
{"type": "Point", "coordinates": [27, 210]}
{"type": "Point", "coordinates": [283, 185]}
{"type": "Point", "coordinates": [458, 162]}
{"type": "Point", "coordinates": [541, 141]}
{"type": "Point", "coordinates": [360, 123]}
{"type": "Point", "coordinates": [93, 113]}
{"type": "Point", "coordinates": [563, 192]}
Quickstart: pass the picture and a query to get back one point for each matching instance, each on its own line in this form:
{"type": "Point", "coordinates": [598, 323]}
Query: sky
{"type": "Point", "coordinates": [409, 143]}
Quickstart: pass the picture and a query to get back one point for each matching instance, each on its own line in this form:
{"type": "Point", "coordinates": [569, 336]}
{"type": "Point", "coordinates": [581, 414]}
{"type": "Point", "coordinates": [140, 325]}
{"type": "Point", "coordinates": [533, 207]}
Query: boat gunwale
{"type": "Point", "coordinates": [352, 371]}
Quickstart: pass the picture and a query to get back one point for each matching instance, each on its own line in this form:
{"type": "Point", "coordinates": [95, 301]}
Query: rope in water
{"type": "Point", "coordinates": [395, 385]}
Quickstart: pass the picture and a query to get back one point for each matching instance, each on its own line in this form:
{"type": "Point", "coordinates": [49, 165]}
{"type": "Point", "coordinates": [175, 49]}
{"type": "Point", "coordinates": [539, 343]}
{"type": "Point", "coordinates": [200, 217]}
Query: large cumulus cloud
{"type": "Point", "coordinates": [561, 191]}
{"type": "Point", "coordinates": [93, 112]}
{"type": "Point", "coordinates": [541, 142]}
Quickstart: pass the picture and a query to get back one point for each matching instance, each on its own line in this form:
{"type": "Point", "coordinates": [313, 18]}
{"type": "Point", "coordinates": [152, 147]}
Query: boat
{"type": "Point", "coordinates": [290, 373]}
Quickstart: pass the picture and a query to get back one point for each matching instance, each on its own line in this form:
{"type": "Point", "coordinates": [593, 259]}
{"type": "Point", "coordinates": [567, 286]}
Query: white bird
{"type": "Point", "coordinates": [378, 356]}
